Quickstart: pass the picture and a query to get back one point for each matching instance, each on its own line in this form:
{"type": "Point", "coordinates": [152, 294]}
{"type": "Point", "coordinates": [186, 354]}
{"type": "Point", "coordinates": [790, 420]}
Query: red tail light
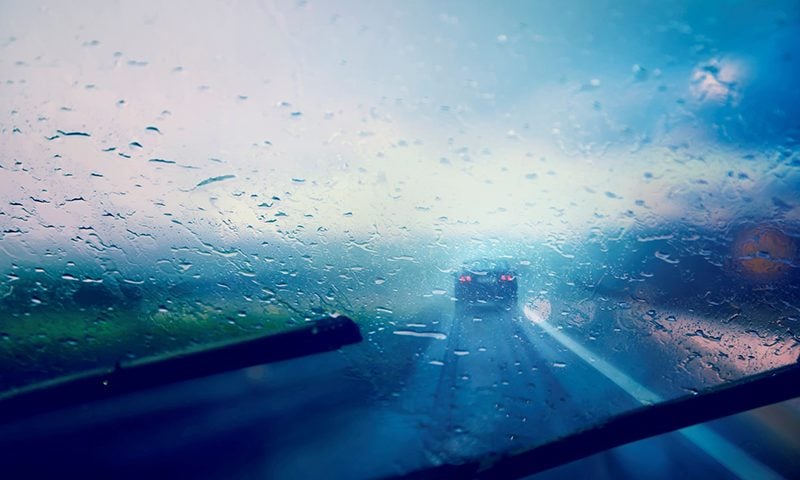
{"type": "Point", "coordinates": [465, 278]}
{"type": "Point", "coordinates": [506, 277]}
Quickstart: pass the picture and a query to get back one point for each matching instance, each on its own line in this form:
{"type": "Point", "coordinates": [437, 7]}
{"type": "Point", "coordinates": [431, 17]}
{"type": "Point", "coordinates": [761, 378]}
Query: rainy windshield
{"type": "Point", "coordinates": [484, 265]}
{"type": "Point", "coordinates": [175, 175]}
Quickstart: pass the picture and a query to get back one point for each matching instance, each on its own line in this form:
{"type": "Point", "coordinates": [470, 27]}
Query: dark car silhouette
{"type": "Point", "coordinates": [486, 282]}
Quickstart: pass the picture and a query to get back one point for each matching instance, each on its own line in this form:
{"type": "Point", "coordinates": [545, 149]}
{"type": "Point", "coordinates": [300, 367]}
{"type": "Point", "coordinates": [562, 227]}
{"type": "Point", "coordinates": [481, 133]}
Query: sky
{"type": "Point", "coordinates": [146, 124]}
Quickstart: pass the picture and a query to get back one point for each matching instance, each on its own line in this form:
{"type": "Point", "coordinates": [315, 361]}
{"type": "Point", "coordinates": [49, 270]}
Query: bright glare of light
{"type": "Point", "coordinates": [718, 81]}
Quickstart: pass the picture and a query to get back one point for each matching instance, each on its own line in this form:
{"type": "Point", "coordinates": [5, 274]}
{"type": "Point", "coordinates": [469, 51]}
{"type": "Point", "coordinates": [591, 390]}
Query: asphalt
{"type": "Point", "coordinates": [464, 385]}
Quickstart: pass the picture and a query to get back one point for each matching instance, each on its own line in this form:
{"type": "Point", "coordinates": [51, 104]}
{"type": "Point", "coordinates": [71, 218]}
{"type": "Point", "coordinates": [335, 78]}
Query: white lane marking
{"type": "Point", "coordinates": [411, 333]}
{"type": "Point", "coordinates": [725, 453]}
{"type": "Point", "coordinates": [638, 391]}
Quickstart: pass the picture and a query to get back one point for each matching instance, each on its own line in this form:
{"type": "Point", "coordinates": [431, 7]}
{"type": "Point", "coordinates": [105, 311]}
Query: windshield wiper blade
{"type": "Point", "coordinates": [759, 390]}
{"type": "Point", "coordinates": [322, 335]}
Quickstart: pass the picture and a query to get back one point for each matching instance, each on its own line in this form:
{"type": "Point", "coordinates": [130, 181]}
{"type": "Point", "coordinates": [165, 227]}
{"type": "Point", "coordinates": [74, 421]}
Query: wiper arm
{"type": "Point", "coordinates": [323, 335]}
{"type": "Point", "coordinates": [756, 391]}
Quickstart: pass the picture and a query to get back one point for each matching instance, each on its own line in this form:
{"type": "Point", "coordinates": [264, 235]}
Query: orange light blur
{"type": "Point", "coordinates": [764, 253]}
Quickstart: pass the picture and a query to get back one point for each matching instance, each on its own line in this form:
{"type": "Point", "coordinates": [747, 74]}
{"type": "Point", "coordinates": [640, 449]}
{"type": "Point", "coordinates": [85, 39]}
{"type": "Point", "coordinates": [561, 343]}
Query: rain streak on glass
{"type": "Point", "coordinates": [540, 215]}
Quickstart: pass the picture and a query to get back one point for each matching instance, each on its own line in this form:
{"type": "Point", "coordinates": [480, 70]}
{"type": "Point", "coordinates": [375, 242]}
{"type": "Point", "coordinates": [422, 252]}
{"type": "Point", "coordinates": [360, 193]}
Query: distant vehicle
{"type": "Point", "coordinates": [486, 282]}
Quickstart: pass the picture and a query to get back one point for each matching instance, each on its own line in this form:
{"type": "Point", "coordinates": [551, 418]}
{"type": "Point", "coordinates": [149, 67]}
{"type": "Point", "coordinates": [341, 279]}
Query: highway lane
{"type": "Point", "coordinates": [704, 439]}
{"type": "Point", "coordinates": [467, 384]}
{"type": "Point", "coordinates": [502, 386]}
{"type": "Point", "coordinates": [508, 383]}
{"type": "Point", "coordinates": [495, 382]}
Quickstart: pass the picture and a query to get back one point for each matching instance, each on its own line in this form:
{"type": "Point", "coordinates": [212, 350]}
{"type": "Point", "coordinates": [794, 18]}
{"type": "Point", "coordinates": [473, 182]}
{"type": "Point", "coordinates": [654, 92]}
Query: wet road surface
{"type": "Point", "coordinates": [464, 384]}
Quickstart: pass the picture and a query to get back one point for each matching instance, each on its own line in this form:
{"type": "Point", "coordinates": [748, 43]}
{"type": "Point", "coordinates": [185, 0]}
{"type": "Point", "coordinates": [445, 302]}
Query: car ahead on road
{"type": "Point", "coordinates": [486, 282]}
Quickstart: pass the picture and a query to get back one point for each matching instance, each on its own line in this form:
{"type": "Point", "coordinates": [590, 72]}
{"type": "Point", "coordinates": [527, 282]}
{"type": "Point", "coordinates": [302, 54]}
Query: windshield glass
{"type": "Point", "coordinates": [175, 175]}
{"type": "Point", "coordinates": [486, 265]}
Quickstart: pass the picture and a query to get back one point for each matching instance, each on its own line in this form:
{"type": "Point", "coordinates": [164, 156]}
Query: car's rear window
{"type": "Point", "coordinates": [486, 265]}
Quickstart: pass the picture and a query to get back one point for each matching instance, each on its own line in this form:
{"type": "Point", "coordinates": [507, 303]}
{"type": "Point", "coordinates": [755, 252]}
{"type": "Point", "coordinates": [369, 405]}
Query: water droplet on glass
{"type": "Point", "coordinates": [411, 333]}
{"type": "Point", "coordinates": [666, 258]}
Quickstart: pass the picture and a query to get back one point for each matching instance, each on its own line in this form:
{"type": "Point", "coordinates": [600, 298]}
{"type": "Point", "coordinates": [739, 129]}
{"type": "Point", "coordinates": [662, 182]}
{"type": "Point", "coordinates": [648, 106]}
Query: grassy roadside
{"type": "Point", "coordinates": [43, 344]}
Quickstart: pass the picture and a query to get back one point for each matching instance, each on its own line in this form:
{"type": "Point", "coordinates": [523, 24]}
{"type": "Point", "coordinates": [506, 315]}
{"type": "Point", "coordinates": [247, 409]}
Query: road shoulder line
{"type": "Point", "coordinates": [724, 452]}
